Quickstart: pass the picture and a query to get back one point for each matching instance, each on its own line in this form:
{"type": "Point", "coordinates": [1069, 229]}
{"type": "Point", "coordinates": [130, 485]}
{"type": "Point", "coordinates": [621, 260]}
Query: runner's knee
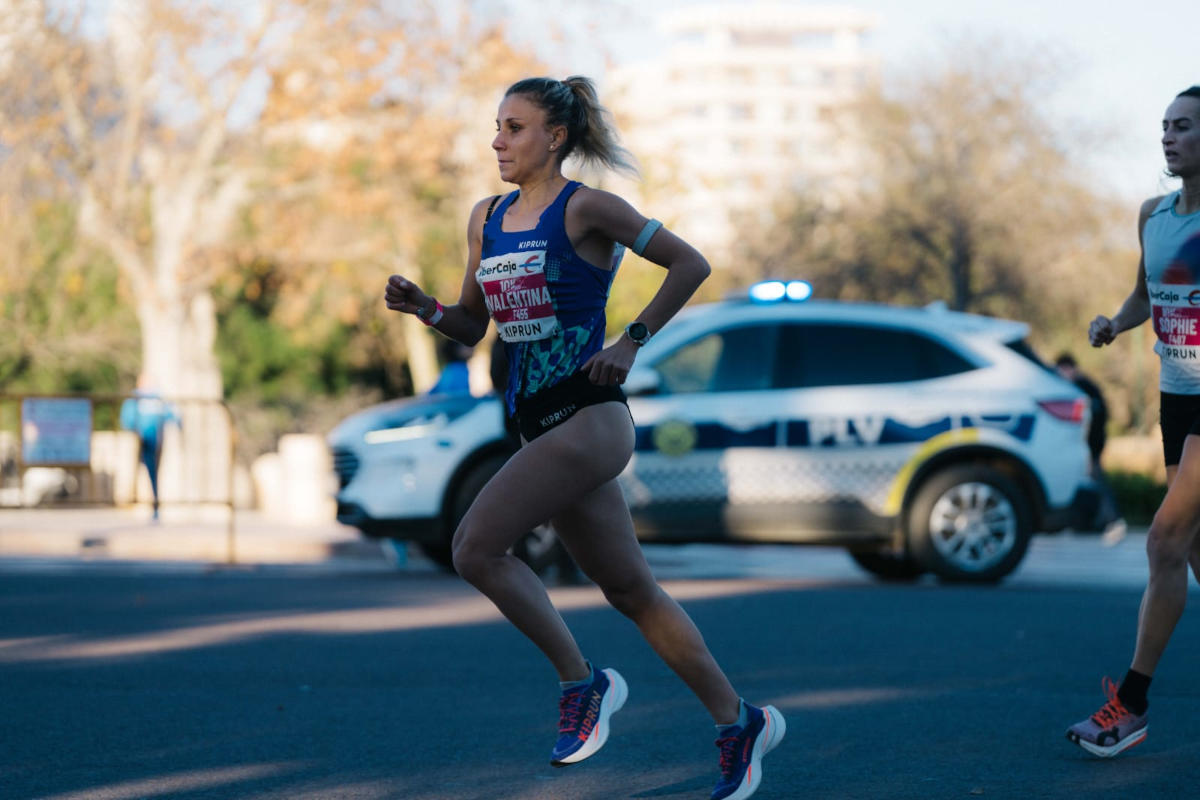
{"type": "Point", "coordinates": [1169, 542]}
{"type": "Point", "coordinates": [471, 561]}
{"type": "Point", "coordinates": [632, 598]}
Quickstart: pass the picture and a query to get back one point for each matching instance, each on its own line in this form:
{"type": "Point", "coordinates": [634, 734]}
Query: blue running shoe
{"type": "Point", "coordinates": [583, 715]}
{"type": "Point", "coordinates": [742, 752]}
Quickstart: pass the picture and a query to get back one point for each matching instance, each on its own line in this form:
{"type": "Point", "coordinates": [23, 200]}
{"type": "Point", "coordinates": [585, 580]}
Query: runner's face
{"type": "Point", "coordinates": [1181, 137]}
{"type": "Point", "coordinates": [522, 142]}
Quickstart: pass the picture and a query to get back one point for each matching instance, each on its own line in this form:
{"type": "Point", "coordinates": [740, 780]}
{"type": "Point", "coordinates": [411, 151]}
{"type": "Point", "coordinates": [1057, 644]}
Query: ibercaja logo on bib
{"type": "Point", "coordinates": [1175, 314]}
{"type": "Point", "coordinates": [517, 296]}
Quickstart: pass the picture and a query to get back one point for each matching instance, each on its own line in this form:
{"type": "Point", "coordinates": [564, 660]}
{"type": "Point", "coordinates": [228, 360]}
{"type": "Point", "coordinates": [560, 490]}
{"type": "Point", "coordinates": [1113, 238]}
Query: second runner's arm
{"type": "Point", "coordinates": [1136, 308]}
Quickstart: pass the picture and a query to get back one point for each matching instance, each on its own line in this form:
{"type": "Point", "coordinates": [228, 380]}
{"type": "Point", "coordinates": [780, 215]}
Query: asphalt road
{"type": "Point", "coordinates": [126, 681]}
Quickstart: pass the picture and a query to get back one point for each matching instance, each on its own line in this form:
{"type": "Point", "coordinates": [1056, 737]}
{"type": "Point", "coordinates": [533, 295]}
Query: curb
{"type": "Point", "coordinates": [118, 535]}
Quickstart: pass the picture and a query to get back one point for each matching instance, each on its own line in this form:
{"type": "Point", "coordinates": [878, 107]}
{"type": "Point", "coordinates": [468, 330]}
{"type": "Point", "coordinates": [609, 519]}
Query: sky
{"type": "Point", "coordinates": [1128, 67]}
{"type": "Point", "coordinates": [1127, 60]}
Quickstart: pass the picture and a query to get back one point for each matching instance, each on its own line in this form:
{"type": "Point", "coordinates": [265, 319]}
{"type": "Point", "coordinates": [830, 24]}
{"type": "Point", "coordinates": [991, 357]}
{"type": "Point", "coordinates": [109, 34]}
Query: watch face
{"type": "Point", "coordinates": [638, 332]}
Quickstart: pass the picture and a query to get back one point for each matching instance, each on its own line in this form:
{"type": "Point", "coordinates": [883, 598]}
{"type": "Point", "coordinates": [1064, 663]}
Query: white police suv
{"type": "Point", "coordinates": [921, 439]}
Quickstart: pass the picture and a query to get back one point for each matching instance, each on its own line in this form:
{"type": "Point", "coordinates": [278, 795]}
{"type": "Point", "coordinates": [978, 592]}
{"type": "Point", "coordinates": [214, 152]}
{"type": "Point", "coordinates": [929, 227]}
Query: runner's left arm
{"type": "Point", "coordinates": [611, 217]}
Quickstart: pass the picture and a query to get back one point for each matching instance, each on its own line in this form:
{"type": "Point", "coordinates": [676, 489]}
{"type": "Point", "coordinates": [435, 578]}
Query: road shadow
{"type": "Point", "coordinates": [364, 686]}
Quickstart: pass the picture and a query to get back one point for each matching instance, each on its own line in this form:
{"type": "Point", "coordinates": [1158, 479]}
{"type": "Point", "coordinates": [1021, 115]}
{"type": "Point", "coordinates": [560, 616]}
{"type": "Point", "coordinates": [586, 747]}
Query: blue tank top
{"type": "Point", "coordinates": [547, 302]}
{"type": "Point", "coordinates": [1171, 249]}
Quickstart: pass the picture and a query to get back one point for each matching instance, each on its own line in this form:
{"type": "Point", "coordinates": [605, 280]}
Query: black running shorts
{"type": "Point", "coordinates": [1178, 416]}
{"type": "Point", "coordinates": [556, 404]}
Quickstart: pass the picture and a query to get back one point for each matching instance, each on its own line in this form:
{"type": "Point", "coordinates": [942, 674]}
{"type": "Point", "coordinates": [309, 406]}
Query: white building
{"type": "Point", "coordinates": [737, 106]}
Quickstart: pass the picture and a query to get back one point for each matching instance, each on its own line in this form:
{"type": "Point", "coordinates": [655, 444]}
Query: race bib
{"type": "Point", "coordinates": [517, 296]}
{"type": "Point", "coordinates": [1176, 315]}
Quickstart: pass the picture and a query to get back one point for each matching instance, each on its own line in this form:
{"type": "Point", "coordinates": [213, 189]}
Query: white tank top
{"type": "Point", "coordinates": [1171, 249]}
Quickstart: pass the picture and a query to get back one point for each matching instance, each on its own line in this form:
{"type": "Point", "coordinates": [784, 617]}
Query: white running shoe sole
{"type": "Point", "coordinates": [773, 730]}
{"type": "Point", "coordinates": [614, 698]}
{"type": "Point", "coordinates": [1137, 737]}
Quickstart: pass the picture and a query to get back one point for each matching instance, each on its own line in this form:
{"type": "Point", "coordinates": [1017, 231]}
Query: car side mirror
{"type": "Point", "coordinates": [642, 381]}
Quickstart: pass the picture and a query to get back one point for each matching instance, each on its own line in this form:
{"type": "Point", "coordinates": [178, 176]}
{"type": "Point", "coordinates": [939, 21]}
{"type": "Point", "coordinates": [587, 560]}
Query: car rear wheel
{"type": "Point", "coordinates": [539, 548]}
{"type": "Point", "coordinates": [969, 523]}
{"type": "Point", "coordinates": [888, 565]}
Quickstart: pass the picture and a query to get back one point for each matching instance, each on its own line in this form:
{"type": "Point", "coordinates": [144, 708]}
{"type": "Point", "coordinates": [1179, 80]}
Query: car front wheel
{"type": "Point", "coordinates": [969, 523]}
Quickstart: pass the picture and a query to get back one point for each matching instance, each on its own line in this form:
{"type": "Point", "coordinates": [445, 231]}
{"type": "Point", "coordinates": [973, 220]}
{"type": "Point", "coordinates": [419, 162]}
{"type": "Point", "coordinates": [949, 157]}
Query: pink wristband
{"type": "Point", "coordinates": [435, 317]}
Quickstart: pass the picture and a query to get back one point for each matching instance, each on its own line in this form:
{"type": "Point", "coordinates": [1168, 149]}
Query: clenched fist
{"type": "Point", "coordinates": [404, 295]}
{"type": "Point", "coordinates": [1101, 331]}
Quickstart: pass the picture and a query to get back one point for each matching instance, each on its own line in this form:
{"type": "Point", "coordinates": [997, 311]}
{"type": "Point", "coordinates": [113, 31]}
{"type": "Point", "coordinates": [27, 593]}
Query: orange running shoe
{"type": "Point", "coordinates": [1111, 729]}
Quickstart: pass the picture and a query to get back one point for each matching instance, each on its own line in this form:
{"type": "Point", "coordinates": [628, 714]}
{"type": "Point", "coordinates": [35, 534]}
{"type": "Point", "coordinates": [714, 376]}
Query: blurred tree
{"type": "Point", "coordinates": [375, 171]}
{"type": "Point", "coordinates": [132, 111]}
{"type": "Point", "coordinates": [67, 322]}
{"type": "Point", "coordinates": [165, 119]}
{"type": "Point", "coordinates": [285, 379]}
{"type": "Point", "coordinates": [66, 325]}
{"type": "Point", "coordinates": [655, 191]}
{"type": "Point", "coordinates": [965, 193]}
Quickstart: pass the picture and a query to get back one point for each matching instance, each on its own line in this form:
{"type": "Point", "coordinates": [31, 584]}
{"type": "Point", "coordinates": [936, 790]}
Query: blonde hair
{"type": "Point", "coordinates": [573, 103]}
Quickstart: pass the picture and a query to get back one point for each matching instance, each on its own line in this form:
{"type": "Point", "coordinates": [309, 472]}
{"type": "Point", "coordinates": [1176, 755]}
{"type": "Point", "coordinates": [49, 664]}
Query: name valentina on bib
{"type": "Point", "coordinates": [517, 296]}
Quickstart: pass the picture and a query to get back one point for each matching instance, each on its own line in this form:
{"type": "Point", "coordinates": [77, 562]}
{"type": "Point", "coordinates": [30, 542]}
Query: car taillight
{"type": "Point", "coordinates": [1066, 410]}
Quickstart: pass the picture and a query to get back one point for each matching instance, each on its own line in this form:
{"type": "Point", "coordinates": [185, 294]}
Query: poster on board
{"type": "Point", "coordinates": [56, 431]}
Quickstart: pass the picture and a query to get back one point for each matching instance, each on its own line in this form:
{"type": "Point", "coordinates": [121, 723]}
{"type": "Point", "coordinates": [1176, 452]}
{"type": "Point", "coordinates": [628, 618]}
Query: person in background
{"type": "Point", "coordinates": [1168, 277]}
{"type": "Point", "coordinates": [455, 377]}
{"type": "Point", "coordinates": [147, 414]}
{"type": "Point", "coordinates": [1108, 517]}
{"type": "Point", "coordinates": [540, 264]}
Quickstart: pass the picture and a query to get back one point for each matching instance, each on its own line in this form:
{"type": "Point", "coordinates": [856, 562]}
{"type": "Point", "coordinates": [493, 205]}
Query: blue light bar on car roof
{"type": "Point", "coordinates": [775, 291]}
{"type": "Point", "coordinates": [799, 291]}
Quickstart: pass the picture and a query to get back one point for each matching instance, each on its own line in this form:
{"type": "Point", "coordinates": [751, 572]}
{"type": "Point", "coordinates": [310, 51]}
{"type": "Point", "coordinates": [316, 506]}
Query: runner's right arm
{"type": "Point", "coordinates": [1136, 308]}
{"type": "Point", "coordinates": [467, 320]}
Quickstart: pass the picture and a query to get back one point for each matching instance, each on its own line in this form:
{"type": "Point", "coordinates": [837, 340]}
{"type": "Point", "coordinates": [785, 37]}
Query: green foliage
{"type": "Point", "coordinates": [67, 327]}
{"type": "Point", "coordinates": [1138, 495]}
{"type": "Point", "coordinates": [286, 378]}
{"type": "Point", "coordinates": [261, 354]}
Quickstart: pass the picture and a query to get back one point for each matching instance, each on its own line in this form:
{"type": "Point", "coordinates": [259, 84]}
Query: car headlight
{"type": "Point", "coordinates": [413, 428]}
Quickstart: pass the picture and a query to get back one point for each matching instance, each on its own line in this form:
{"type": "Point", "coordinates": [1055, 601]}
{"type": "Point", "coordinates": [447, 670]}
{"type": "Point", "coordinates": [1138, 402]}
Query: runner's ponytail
{"type": "Point", "coordinates": [573, 103]}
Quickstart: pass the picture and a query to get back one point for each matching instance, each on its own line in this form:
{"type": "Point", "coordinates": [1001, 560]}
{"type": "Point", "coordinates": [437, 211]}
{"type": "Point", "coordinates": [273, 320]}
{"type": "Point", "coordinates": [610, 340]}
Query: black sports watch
{"type": "Point", "coordinates": [638, 332]}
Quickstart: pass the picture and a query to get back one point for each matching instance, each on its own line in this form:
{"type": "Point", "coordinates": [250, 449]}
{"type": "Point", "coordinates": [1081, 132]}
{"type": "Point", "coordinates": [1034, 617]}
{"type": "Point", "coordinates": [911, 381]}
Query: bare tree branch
{"type": "Point", "coordinates": [98, 224]}
{"type": "Point", "coordinates": [77, 127]}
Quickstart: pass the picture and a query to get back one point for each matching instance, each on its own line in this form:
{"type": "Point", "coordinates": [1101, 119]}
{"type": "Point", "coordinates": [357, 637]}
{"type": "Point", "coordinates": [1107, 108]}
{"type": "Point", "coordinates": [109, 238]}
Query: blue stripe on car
{"type": "Point", "coordinates": [798, 433]}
